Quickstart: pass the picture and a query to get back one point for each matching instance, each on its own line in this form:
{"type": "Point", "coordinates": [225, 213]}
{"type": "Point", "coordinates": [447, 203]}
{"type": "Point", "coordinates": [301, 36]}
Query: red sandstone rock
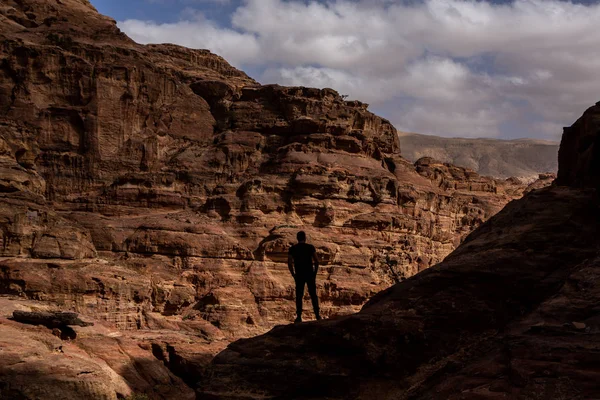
{"type": "Point", "coordinates": [157, 189]}
{"type": "Point", "coordinates": [512, 313]}
{"type": "Point", "coordinates": [102, 363]}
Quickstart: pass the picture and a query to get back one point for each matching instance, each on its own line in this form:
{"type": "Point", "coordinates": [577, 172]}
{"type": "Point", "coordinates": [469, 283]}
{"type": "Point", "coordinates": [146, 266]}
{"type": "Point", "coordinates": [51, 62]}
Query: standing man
{"type": "Point", "coordinates": [301, 259]}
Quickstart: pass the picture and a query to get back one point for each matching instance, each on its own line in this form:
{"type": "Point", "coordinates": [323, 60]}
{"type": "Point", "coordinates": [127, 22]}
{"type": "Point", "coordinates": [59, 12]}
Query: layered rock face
{"type": "Point", "coordinates": [156, 189]}
{"type": "Point", "coordinates": [512, 313]}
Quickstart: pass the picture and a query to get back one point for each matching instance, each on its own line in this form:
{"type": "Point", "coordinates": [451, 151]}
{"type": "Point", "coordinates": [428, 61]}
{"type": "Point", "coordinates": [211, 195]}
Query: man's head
{"type": "Point", "coordinates": [301, 236]}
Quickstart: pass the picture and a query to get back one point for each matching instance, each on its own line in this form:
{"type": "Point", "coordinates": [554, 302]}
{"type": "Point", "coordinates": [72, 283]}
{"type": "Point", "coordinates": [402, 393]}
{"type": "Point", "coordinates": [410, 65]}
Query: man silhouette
{"type": "Point", "coordinates": [303, 265]}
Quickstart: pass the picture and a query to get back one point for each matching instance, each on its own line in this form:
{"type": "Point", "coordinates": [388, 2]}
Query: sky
{"type": "Point", "coordinates": [458, 68]}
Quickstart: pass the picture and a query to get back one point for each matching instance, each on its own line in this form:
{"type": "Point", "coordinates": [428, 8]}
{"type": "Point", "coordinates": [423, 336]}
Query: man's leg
{"type": "Point", "coordinates": [299, 297]}
{"type": "Point", "coordinates": [312, 290]}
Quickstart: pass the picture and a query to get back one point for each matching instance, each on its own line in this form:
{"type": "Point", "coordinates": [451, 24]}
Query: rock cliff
{"type": "Point", "coordinates": [579, 154]}
{"type": "Point", "coordinates": [512, 313]}
{"type": "Point", "coordinates": [156, 189]}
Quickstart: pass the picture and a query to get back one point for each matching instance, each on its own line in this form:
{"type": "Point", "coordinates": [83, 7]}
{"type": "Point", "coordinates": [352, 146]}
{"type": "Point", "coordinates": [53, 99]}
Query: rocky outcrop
{"type": "Point", "coordinates": [512, 313]}
{"type": "Point", "coordinates": [102, 363]}
{"type": "Point", "coordinates": [61, 323]}
{"type": "Point", "coordinates": [155, 190]}
{"type": "Point", "coordinates": [579, 154]}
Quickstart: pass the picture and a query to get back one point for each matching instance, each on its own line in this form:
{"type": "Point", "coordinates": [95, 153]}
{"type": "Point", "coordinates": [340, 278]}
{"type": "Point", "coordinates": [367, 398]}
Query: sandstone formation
{"type": "Point", "coordinates": [511, 314]}
{"type": "Point", "coordinates": [102, 363]}
{"type": "Point", "coordinates": [155, 191]}
{"type": "Point", "coordinates": [522, 158]}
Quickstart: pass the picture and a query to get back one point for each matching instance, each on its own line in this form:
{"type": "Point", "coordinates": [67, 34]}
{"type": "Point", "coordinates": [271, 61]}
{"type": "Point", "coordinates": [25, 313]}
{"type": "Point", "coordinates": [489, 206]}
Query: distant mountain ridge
{"type": "Point", "coordinates": [522, 158]}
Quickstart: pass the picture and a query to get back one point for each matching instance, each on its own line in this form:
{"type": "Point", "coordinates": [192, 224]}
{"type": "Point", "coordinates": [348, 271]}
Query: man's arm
{"type": "Point", "coordinates": [315, 261]}
{"type": "Point", "coordinates": [291, 264]}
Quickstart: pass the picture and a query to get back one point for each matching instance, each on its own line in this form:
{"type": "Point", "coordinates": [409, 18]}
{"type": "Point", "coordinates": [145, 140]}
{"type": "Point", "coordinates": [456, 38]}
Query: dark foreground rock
{"type": "Point", "coordinates": [511, 314]}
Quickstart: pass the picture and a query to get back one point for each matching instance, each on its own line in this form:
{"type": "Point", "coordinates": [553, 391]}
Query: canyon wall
{"type": "Point", "coordinates": [156, 190]}
{"type": "Point", "coordinates": [512, 313]}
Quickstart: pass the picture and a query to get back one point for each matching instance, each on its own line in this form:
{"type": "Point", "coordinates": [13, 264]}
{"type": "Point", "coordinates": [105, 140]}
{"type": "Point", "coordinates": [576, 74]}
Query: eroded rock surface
{"type": "Point", "coordinates": [102, 363]}
{"type": "Point", "coordinates": [512, 313]}
{"type": "Point", "coordinates": [157, 189]}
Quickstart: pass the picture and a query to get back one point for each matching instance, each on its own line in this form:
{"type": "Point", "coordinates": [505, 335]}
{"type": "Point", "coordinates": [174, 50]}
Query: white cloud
{"type": "Point", "coordinates": [449, 67]}
{"type": "Point", "coordinates": [199, 32]}
{"type": "Point", "coordinates": [188, 2]}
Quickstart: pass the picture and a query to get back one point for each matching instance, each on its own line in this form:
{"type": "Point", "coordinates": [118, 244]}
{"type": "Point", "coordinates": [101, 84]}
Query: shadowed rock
{"type": "Point", "coordinates": [512, 313]}
{"type": "Point", "coordinates": [61, 323]}
{"type": "Point", "coordinates": [50, 319]}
